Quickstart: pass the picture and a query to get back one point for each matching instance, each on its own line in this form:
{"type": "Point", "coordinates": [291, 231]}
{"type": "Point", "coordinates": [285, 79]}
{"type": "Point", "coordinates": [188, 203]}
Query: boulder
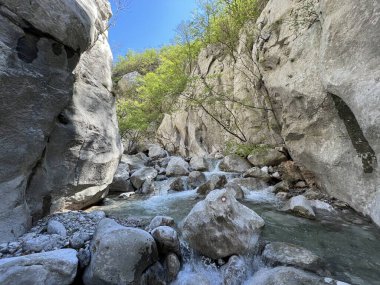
{"type": "Point", "coordinates": [318, 205]}
{"type": "Point", "coordinates": [160, 221]}
{"type": "Point", "coordinates": [266, 156]}
{"type": "Point", "coordinates": [285, 276]}
{"type": "Point", "coordinates": [156, 152]}
{"type": "Point", "coordinates": [121, 182]}
{"type": "Point", "coordinates": [166, 239]}
{"type": "Point", "coordinates": [135, 161]}
{"type": "Point", "coordinates": [172, 266]}
{"type": "Point", "coordinates": [198, 163]}
{"type": "Point", "coordinates": [234, 163]}
{"type": "Point", "coordinates": [250, 183]}
{"type": "Point", "coordinates": [154, 275]}
{"type": "Point", "coordinates": [235, 189]}
{"type": "Point", "coordinates": [256, 172]}
{"type": "Point", "coordinates": [47, 268]}
{"type": "Point", "coordinates": [55, 227]}
{"type": "Point", "coordinates": [235, 272]}
{"type": "Point", "coordinates": [219, 226]}
{"type": "Point", "coordinates": [149, 186]}
{"type": "Point", "coordinates": [119, 255]}
{"type": "Point", "coordinates": [140, 176]}
{"type": "Point", "coordinates": [177, 166]}
{"type": "Point", "coordinates": [177, 184]}
{"type": "Point", "coordinates": [42, 243]}
{"type": "Point", "coordinates": [282, 186]}
{"type": "Point", "coordinates": [215, 182]}
{"type": "Point", "coordinates": [300, 206]}
{"type": "Point", "coordinates": [196, 178]}
{"type": "Point", "coordinates": [290, 171]}
{"type": "Point", "coordinates": [281, 253]}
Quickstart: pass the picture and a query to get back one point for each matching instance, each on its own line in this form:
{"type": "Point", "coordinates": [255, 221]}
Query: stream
{"type": "Point", "coordinates": [348, 244]}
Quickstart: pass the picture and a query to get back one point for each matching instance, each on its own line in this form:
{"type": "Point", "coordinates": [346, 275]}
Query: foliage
{"type": "Point", "coordinates": [220, 21]}
{"type": "Point", "coordinates": [156, 94]}
{"type": "Point", "coordinates": [144, 62]}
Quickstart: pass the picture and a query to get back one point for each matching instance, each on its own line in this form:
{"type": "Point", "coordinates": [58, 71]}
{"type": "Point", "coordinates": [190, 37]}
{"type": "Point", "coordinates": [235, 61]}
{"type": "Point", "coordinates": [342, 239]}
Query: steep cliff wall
{"type": "Point", "coordinates": [315, 64]}
{"type": "Point", "coordinates": [59, 142]}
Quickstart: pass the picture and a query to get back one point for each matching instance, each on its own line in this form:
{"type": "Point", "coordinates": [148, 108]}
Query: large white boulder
{"type": "Point", "coordinates": [220, 226]}
{"type": "Point", "coordinates": [119, 255]}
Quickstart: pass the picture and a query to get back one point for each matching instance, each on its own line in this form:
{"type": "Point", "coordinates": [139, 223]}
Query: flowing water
{"type": "Point", "coordinates": [348, 244]}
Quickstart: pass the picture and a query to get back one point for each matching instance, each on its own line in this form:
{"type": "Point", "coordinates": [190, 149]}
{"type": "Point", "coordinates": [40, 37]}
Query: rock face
{"type": "Point", "coordinates": [219, 226]}
{"type": "Point", "coordinates": [119, 255]}
{"type": "Point", "coordinates": [47, 268]}
{"type": "Point", "coordinates": [67, 145]}
{"type": "Point", "coordinates": [321, 97]}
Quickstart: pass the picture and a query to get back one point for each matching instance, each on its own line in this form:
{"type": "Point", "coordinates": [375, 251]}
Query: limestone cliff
{"type": "Point", "coordinates": [59, 140]}
{"type": "Point", "coordinates": [311, 71]}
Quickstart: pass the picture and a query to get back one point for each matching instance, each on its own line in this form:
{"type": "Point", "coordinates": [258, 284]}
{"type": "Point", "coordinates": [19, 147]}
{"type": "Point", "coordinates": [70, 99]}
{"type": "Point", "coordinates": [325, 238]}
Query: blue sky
{"type": "Point", "coordinates": [147, 23]}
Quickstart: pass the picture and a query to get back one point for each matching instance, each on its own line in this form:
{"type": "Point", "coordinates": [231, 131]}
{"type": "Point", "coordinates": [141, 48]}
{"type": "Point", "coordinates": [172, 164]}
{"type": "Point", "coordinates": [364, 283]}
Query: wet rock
{"type": "Point", "coordinates": [330, 281]}
{"type": "Point", "coordinates": [172, 265]}
{"type": "Point", "coordinates": [140, 176]}
{"type": "Point", "coordinates": [235, 272]}
{"type": "Point", "coordinates": [156, 152]}
{"type": "Point", "coordinates": [318, 205]}
{"type": "Point", "coordinates": [119, 255]}
{"type": "Point", "coordinates": [281, 253]}
{"type": "Point", "coordinates": [198, 163]}
{"type": "Point", "coordinates": [177, 166]}
{"type": "Point", "coordinates": [282, 186]}
{"type": "Point", "coordinates": [234, 163]}
{"type": "Point", "coordinates": [300, 206]}
{"type": "Point", "coordinates": [250, 183]}
{"type": "Point", "coordinates": [284, 276]}
{"type": "Point", "coordinates": [196, 178]}
{"type": "Point", "coordinates": [126, 195]}
{"type": "Point", "coordinates": [236, 189]}
{"type": "Point", "coordinates": [154, 275]}
{"type": "Point", "coordinates": [266, 157]}
{"type": "Point", "coordinates": [43, 243]}
{"type": "Point", "coordinates": [256, 172]}
{"type": "Point", "coordinates": [55, 227]}
{"type": "Point", "coordinates": [290, 171]}
{"type": "Point", "coordinates": [219, 226]}
{"type": "Point", "coordinates": [161, 177]}
{"type": "Point", "coordinates": [216, 182]}
{"type": "Point", "coordinates": [160, 221]}
{"type": "Point", "coordinates": [282, 195]}
{"type": "Point", "coordinates": [53, 267]}
{"type": "Point", "coordinates": [166, 239]}
{"type": "Point", "coordinates": [148, 187]}
{"type": "Point", "coordinates": [177, 184]}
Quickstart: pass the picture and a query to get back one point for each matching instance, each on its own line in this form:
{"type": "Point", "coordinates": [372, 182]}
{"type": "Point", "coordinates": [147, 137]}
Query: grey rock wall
{"type": "Point", "coordinates": [57, 120]}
